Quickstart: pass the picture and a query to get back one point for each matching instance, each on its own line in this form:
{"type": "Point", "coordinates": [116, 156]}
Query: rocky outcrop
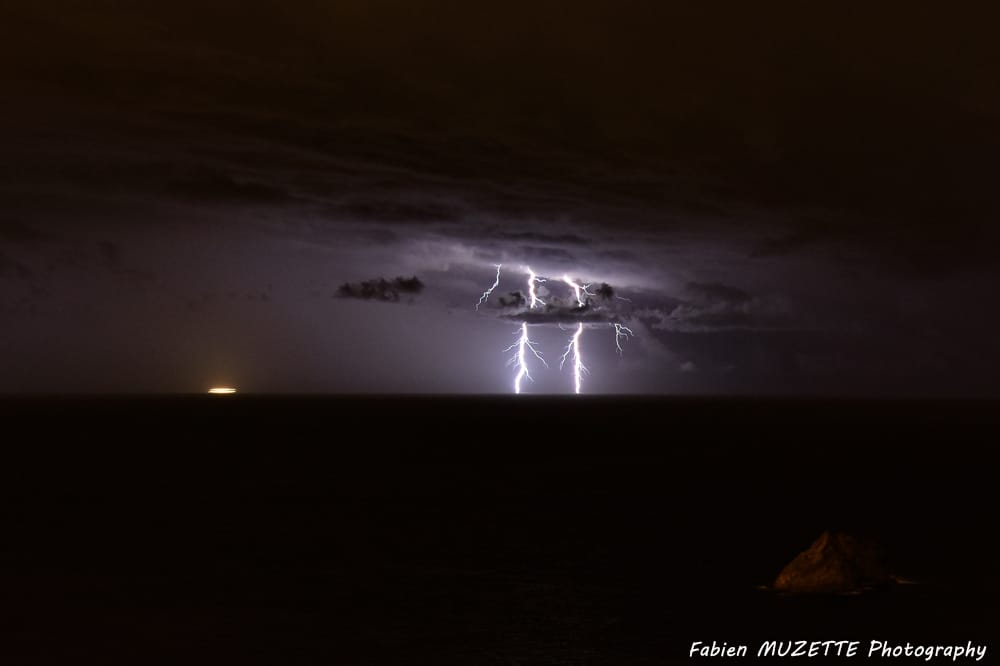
{"type": "Point", "coordinates": [836, 563]}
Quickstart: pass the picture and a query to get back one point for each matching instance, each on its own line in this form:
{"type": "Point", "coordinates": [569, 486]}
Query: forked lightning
{"type": "Point", "coordinates": [574, 348]}
{"type": "Point", "coordinates": [524, 344]}
{"type": "Point", "coordinates": [520, 357]}
{"type": "Point", "coordinates": [622, 332]}
{"type": "Point", "coordinates": [533, 299]}
{"type": "Point", "coordinates": [486, 294]}
{"type": "Point", "coordinates": [579, 290]}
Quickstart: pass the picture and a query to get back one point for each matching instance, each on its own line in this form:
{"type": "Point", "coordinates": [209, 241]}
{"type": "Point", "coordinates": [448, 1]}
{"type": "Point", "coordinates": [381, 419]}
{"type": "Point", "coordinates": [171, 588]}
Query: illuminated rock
{"type": "Point", "coordinates": [836, 563]}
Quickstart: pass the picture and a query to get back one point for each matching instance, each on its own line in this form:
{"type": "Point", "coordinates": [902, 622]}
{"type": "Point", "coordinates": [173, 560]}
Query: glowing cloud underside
{"type": "Point", "coordinates": [578, 367]}
{"type": "Point", "coordinates": [520, 357]}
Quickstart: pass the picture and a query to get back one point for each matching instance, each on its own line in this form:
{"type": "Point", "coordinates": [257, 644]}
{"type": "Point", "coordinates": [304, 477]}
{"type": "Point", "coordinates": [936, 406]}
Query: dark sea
{"type": "Point", "coordinates": [479, 531]}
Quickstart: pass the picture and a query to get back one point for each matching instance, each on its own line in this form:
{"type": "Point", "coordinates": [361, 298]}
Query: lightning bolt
{"type": "Point", "coordinates": [532, 297]}
{"type": "Point", "coordinates": [578, 289]}
{"type": "Point", "coordinates": [486, 294]}
{"type": "Point", "coordinates": [622, 332]}
{"type": "Point", "coordinates": [520, 357]}
{"type": "Point", "coordinates": [578, 367]}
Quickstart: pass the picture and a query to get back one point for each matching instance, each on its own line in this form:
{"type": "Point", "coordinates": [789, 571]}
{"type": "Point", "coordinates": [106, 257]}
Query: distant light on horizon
{"type": "Point", "coordinates": [221, 390]}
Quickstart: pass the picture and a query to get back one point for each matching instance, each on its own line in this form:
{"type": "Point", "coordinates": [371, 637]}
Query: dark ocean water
{"type": "Point", "coordinates": [263, 530]}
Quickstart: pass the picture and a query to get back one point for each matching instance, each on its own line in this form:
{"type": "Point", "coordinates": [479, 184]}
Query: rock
{"type": "Point", "coordinates": [836, 563]}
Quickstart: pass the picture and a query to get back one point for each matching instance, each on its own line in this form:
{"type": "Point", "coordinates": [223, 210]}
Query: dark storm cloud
{"type": "Point", "coordinates": [780, 112]}
{"type": "Point", "coordinates": [111, 253]}
{"type": "Point", "coordinates": [710, 307]}
{"type": "Point", "coordinates": [551, 254]}
{"type": "Point", "coordinates": [514, 299]}
{"type": "Point", "coordinates": [686, 316]}
{"type": "Point", "coordinates": [12, 268]}
{"type": "Point", "coordinates": [383, 210]}
{"type": "Point", "coordinates": [380, 236]}
{"type": "Point", "coordinates": [715, 291]}
{"type": "Point", "coordinates": [368, 132]}
{"type": "Point", "coordinates": [537, 237]}
{"type": "Point", "coordinates": [563, 315]}
{"type": "Point", "coordinates": [210, 186]}
{"type": "Point", "coordinates": [744, 178]}
{"type": "Point", "coordinates": [723, 315]}
{"type": "Point", "coordinates": [563, 308]}
{"type": "Point", "coordinates": [380, 289]}
{"type": "Point", "coordinates": [111, 258]}
{"type": "Point", "coordinates": [605, 291]}
{"type": "Point", "coordinates": [788, 243]}
{"type": "Point", "coordinates": [208, 300]}
{"type": "Point", "coordinates": [19, 234]}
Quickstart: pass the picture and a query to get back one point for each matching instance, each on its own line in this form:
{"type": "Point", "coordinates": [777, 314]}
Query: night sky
{"type": "Point", "coordinates": [794, 198]}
